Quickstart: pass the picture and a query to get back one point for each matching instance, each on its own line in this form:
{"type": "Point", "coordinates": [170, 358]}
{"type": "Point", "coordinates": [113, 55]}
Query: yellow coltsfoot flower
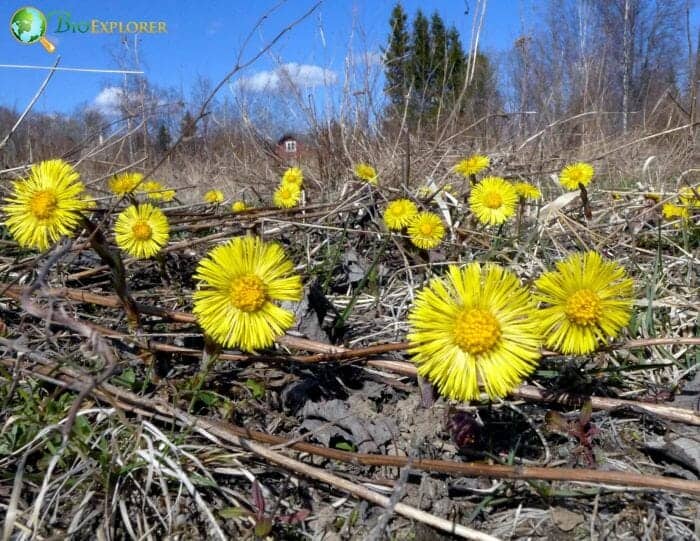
{"type": "Point", "coordinates": [155, 191]}
{"type": "Point", "coordinates": [474, 328]}
{"type": "Point", "coordinates": [426, 230]}
{"type": "Point", "coordinates": [493, 200]}
{"type": "Point", "coordinates": [293, 175]}
{"type": "Point", "coordinates": [690, 197]}
{"type": "Point", "coordinates": [125, 183]}
{"type": "Point", "coordinates": [238, 206]}
{"type": "Point", "coordinates": [585, 301]}
{"type": "Point", "coordinates": [366, 172]}
{"type": "Point", "coordinates": [399, 213]}
{"type": "Point", "coordinates": [46, 205]}
{"type": "Point", "coordinates": [240, 281]}
{"type": "Point", "coordinates": [472, 165]}
{"type": "Point", "coordinates": [141, 231]}
{"type": "Point", "coordinates": [527, 191]}
{"type": "Point", "coordinates": [214, 197]}
{"type": "Point", "coordinates": [287, 195]}
{"type": "Point", "coordinates": [576, 173]}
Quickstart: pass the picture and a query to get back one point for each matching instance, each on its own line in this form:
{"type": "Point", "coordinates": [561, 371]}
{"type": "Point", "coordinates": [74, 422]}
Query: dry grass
{"type": "Point", "coordinates": [135, 472]}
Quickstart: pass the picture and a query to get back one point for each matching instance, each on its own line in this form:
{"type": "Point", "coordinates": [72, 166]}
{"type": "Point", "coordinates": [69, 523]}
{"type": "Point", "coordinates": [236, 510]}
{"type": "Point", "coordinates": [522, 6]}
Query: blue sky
{"type": "Point", "coordinates": [203, 39]}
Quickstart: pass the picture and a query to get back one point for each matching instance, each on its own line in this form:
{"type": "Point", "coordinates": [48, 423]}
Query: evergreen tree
{"type": "Point", "coordinates": [420, 64]}
{"type": "Point", "coordinates": [396, 58]}
{"type": "Point", "coordinates": [456, 66]}
{"type": "Point", "coordinates": [440, 68]}
{"type": "Point", "coordinates": [431, 63]}
{"type": "Point", "coordinates": [163, 138]}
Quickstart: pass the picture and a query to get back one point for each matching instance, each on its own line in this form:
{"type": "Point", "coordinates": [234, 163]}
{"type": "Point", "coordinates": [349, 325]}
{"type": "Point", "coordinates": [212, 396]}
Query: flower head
{"type": "Point", "coordinates": [214, 197]}
{"type": "Point", "coordinates": [155, 191]}
{"type": "Point", "coordinates": [474, 327]}
{"type": "Point", "coordinates": [527, 191]}
{"type": "Point", "coordinates": [46, 205]}
{"type": "Point", "coordinates": [286, 196]}
{"type": "Point", "coordinates": [367, 173]}
{"type": "Point", "coordinates": [399, 213]}
{"type": "Point", "coordinates": [424, 191]}
{"type": "Point", "coordinates": [450, 189]}
{"type": "Point", "coordinates": [141, 231]}
{"type": "Point", "coordinates": [671, 212]}
{"type": "Point", "coordinates": [689, 197]}
{"type": "Point", "coordinates": [238, 206]}
{"type": "Point", "coordinates": [125, 183]}
{"type": "Point", "coordinates": [293, 175]}
{"type": "Point", "coordinates": [585, 300]}
{"type": "Point", "coordinates": [576, 173]}
{"type": "Point", "coordinates": [426, 230]}
{"type": "Point", "coordinates": [239, 282]}
{"type": "Point", "coordinates": [472, 165]}
{"type": "Point", "coordinates": [493, 200]}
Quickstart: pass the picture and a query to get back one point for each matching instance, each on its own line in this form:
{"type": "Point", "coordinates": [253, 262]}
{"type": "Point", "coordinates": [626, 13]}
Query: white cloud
{"type": "Point", "coordinates": [108, 100]}
{"type": "Point", "coordinates": [290, 74]}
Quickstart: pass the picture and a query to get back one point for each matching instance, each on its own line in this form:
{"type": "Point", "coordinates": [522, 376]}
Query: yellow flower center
{"type": "Point", "coordinates": [426, 229]}
{"type": "Point", "coordinates": [476, 331]}
{"type": "Point", "coordinates": [43, 204]}
{"type": "Point", "coordinates": [493, 200]}
{"type": "Point", "coordinates": [285, 193]}
{"type": "Point", "coordinates": [248, 293]}
{"type": "Point", "coordinates": [142, 231]}
{"type": "Point", "coordinates": [584, 307]}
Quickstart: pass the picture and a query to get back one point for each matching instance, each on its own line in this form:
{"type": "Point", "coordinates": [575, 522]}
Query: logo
{"type": "Point", "coordinates": [28, 25]}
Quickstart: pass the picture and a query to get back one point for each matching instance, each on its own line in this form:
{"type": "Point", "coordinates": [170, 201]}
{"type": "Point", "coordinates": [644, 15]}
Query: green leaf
{"type": "Point", "coordinates": [232, 512]}
{"type": "Point", "coordinates": [126, 379]}
{"type": "Point", "coordinates": [346, 446]}
{"type": "Point", "coordinates": [209, 398]}
{"type": "Point", "coordinates": [263, 527]}
{"type": "Point", "coordinates": [256, 388]}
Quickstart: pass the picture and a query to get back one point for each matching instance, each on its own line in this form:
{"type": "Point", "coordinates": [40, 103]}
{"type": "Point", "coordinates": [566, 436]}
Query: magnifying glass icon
{"type": "Point", "coordinates": [28, 25]}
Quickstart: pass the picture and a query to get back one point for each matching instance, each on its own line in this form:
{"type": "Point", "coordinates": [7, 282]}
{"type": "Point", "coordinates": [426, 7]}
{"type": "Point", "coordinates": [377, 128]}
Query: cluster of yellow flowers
{"type": "Point", "coordinates": [478, 327]}
{"type": "Point", "coordinates": [216, 197]}
{"type": "Point", "coordinates": [132, 183]}
{"type": "Point", "coordinates": [688, 201]}
{"type": "Point", "coordinates": [288, 193]}
{"type": "Point", "coordinates": [425, 229]}
{"type": "Point", "coordinates": [493, 201]}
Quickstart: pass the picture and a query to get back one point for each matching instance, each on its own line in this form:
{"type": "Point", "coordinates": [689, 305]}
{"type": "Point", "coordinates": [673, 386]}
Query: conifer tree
{"type": "Point", "coordinates": [396, 58]}
{"type": "Point", "coordinates": [163, 138]}
{"type": "Point", "coordinates": [429, 66]}
{"type": "Point", "coordinates": [440, 67]}
{"type": "Point", "coordinates": [420, 64]}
